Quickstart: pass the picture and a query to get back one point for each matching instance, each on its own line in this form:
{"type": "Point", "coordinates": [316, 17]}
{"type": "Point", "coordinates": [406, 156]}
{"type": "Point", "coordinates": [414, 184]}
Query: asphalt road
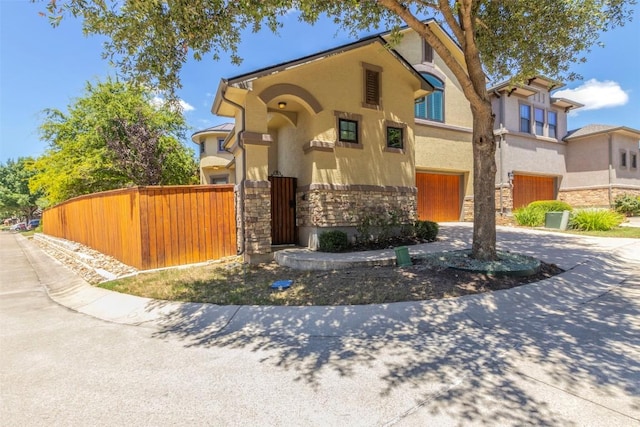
{"type": "Point", "coordinates": [576, 362]}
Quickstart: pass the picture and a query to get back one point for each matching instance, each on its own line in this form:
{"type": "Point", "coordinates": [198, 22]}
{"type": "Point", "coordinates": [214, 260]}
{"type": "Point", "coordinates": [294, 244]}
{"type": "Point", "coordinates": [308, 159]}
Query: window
{"type": "Point", "coordinates": [202, 148]}
{"type": "Point", "coordinates": [218, 179]}
{"type": "Point", "coordinates": [634, 161]}
{"type": "Point", "coordinates": [220, 144]}
{"type": "Point", "coordinates": [552, 120]}
{"type": "Point", "coordinates": [371, 90]}
{"type": "Point", "coordinates": [395, 137]}
{"type": "Point", "coordinates": [427, 52]}
{"type": "Point", "coordinates": [539, 117]}
{"type": "Point", "coordinates": [623, 159]}
{"type": "Point", "coordinates": [525, 118]}
{"type": "Point", "coordinates": [348, 131]}
{"type": "Point", "coordinates": [431, 107]}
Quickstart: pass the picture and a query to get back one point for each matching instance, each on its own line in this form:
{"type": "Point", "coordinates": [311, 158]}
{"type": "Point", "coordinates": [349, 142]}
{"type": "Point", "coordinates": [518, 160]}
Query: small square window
{"type": "Point", "coordinates": [348, 131]}
{"type": "Point", "coordinates": [395, 137]}
{"type": "Point", "coordinates": [221, 144]}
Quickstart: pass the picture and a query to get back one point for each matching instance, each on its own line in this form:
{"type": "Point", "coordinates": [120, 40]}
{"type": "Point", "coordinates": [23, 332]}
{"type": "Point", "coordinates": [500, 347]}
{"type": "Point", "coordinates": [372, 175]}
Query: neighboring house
{"type": "Point", "coordinates": [602, 163]}
{"type": "Point", "coordinates": [538, 159]}
{"type": "Point", "coordinates": [321, 141]}
{"type": "Point", "coordinates": [530, 151]}
{"type": "Point", "coordinates": [216, 164]}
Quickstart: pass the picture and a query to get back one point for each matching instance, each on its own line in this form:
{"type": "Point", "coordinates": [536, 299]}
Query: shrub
{"type": "Point", "coordinates": [529, 217]}
{"type": "Point", "coordinates": [426, 230]}
{"type": "Point", "coordinates": [333, 241]}
{"type": "Point", "coordinates": [627, 204]}
{"type": "Point", "coordinates": [550, 206]}
{"type": "Point", "coordinates": [377, 225]}
{"type": "Point", "coordinates": [534, 214]}
{"type": "Point", "coordinates": [595, 220]}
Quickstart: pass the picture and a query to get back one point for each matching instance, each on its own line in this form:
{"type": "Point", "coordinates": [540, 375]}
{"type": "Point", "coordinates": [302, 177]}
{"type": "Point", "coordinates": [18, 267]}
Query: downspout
{"type": "Point", "coordinates": [244, 170]}
{"type": "Point", "coordinates": [610, 168]}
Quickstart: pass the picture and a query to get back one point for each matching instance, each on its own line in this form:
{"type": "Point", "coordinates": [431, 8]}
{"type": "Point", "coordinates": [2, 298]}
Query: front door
{"type": "Point", "coordinates": [283, 210]}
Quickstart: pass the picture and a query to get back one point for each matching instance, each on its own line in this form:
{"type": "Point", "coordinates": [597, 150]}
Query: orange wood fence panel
{"type": "Point", "coordinates": [150, 227]}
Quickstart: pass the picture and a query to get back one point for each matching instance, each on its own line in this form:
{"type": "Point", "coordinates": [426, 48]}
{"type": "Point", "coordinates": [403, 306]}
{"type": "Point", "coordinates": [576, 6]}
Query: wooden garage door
{"type": "Point", "coordinates": [438, 196]}
{"type": "Point", "coordinates": [528, 188]}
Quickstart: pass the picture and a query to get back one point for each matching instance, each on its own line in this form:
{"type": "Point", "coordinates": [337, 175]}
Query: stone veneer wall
{"type": "Point", "coordinates": [257, 217]}
{"type": "Point", "coordinates": [467, 209]}
{"type": "Point", "coordinates": [594, 197]}
{"type": "Point", "coordinates": [507, 198]}
{"type": "Point", "coordinates": [322, 205]}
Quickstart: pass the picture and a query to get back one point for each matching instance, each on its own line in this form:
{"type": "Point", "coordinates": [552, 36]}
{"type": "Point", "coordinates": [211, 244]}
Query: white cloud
{"type": "Point", "coordinates": [184, 106]}
{"type": "Point", "coordinates": [596, 95]}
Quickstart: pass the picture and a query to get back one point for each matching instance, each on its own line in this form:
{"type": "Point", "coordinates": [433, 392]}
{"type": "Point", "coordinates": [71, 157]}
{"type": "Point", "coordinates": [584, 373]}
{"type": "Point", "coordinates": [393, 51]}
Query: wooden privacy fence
{"type": "Point", "coordinates": [150, 227]}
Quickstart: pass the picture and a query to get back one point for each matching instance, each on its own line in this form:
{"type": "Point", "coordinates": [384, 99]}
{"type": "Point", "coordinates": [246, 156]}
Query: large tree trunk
{"type": "Point", "coordinates": [484, 177]}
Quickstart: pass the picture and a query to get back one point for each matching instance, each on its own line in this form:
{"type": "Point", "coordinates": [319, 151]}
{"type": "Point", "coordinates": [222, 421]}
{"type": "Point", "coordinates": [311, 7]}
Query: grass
{"type": "Point", "coordinates": [629, 232]}
{"type": "Point", "coordinates": [241, 284]}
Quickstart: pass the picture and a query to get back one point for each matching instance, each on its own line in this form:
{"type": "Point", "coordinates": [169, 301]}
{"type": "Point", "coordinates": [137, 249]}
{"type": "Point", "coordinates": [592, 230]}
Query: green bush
{"type": "Point", "coordinates": [627, 204]}
{"type": "Point", "coordinates": [333, 241]}
{"type": "Point", "coordinates": [550, 206]}
{"type": "Point", "coordinates": [529, 217]}
{"type": "Point", "coordinates": [595, 220]}
{"type": "Point", "coordinates": [534, 214]}
{"type": "Point", "coordinates": [426, 230]}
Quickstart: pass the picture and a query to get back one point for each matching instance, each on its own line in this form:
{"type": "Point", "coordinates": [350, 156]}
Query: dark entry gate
{"type": "Point", "coordinates": [283, 210]}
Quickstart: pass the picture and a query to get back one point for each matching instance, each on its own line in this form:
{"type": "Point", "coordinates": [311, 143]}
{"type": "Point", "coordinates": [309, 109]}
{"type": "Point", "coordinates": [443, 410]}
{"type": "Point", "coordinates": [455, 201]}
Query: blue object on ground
{"type": "Point", "coordinates": [281, 284]}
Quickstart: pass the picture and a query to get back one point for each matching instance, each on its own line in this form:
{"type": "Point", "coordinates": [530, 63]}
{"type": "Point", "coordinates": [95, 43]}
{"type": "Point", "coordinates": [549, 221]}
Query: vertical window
{"type": "Point", "coordinates": [427, 52]}
{"type": "Point", "coordinates": [372, 86]}
{"type": "Point", "coordinates": [539, 118]}
{"type": "Point", "coordinates": [395, 137]}
{"type": "Point", "coordinates": [634, 160]}
{"type": "Point", "coordinates": [220, 144]}
{"type": "Point", "coordinates": [431, 107]}
{"type": "Point", "coordinates": [525, 118]}
{"type": "Point", "coordinates": [202, 148]}
{"type": "Point", "coordinates": [552, 120]}
{"type": "Point", "coordinates": [348, 131]}
{"type": "Point", "coordinates": [623, 159]}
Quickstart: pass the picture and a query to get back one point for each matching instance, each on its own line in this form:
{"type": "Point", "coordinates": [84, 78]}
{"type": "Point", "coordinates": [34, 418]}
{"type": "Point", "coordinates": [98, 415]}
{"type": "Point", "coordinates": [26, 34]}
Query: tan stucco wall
{"type": "Point", "coordinates": [337, 84]}
{"type": "Point", "coordinates": [588, 161]}
{"type": "Point", "coordinates": [511, 112]}
{"type": "Point", "coordinates": [213, 162]}
{"type": "Point", "coordinates": [529, 155]}
{"type": "Point", "coordinates": [456, 106]}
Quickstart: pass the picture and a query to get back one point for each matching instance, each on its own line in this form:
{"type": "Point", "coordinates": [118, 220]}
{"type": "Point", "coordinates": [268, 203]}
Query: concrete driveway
{"type": "Point", "coordinates": [565, 351]}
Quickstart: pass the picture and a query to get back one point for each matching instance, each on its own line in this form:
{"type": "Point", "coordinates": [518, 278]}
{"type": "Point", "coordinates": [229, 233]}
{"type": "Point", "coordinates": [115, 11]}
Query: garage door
{"type": "Point", "coordinates": [528, 188]}
{"type": "Point", "coordinates": [438, 196]}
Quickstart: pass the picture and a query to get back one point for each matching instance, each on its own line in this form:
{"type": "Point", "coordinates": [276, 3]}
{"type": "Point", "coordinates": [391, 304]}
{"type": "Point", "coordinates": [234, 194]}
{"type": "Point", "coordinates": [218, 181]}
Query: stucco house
{"type": "Point", "coordinates": [538, 158]}
{"type": "Point", "coordinates": [216, 164]}
{"type": "Point", "coordinates": [321, 141]}
{"type": "Point", "coordinates": [602, 163]}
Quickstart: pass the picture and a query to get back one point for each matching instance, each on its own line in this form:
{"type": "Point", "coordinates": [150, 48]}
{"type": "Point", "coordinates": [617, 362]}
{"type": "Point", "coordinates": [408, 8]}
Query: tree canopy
{"type": "Point", "coordinates": [500, 39]}
{"type": "Point", "coordinates": [114, 136]}
{"type": "Point", "coordinates": [16, 199]}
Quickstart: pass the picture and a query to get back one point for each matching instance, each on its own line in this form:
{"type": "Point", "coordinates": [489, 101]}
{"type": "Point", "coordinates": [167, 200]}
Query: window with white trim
{"type": "Point", "coordinates": [552, 122]}
{"type": "Point", "coordinates": [538, 114]}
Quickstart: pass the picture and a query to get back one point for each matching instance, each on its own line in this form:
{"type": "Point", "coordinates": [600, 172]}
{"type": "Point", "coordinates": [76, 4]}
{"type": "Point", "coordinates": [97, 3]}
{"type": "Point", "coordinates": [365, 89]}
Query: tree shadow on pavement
{"type": "Point", "coordinates": [506, 358]}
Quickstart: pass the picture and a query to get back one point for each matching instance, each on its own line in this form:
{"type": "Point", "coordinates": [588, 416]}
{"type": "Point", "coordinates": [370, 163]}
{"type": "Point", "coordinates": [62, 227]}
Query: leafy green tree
{"type": "Point", "coordinates": [15, 196]}
{"type": "Point", "coordinates": [501, 39]}
{"type": "Point", "coordinates": [112, 137]}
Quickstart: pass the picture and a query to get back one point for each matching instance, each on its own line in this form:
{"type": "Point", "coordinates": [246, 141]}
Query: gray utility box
{"type": "Point", "coordinates": [559, 220]}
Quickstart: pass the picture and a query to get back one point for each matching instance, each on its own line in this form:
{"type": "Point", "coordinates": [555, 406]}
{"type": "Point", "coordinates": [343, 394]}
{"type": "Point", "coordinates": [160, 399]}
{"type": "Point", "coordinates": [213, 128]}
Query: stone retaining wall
{"type": "Point", "coordinates": [595, 197]}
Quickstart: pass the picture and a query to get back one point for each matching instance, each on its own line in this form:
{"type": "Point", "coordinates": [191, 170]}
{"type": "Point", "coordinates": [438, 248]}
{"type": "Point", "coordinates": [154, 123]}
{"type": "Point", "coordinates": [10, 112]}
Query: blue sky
{"type": "Point", "coordinates": [42, 67]}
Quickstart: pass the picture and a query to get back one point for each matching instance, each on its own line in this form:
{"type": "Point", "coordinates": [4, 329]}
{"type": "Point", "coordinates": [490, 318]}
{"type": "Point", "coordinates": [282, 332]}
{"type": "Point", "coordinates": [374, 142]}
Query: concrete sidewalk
{"type": "Point", "coordinates": [593, 267]}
